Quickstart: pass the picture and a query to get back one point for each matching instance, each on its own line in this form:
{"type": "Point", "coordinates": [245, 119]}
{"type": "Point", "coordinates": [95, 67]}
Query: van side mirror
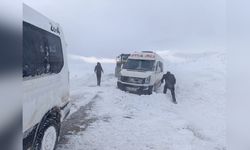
{"type": "Point", "coordinates": [157, 69]}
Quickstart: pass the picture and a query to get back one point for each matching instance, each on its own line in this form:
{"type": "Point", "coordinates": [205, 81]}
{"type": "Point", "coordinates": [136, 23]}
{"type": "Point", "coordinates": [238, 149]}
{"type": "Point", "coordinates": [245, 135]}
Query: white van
{"type": "Point", "coordinates": [45, 81]}
{"type": "Point", "coordinates": [141, 73]}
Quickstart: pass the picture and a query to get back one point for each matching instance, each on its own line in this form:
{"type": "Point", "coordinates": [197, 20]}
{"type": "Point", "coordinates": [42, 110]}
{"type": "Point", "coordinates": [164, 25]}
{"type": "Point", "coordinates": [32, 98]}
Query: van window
{"type": "Point", "coordinates": [161, 66]}
{"type": "Point", "coordinates": [42, 52]}
{"type": "Point", "coordinates": [141, 65]}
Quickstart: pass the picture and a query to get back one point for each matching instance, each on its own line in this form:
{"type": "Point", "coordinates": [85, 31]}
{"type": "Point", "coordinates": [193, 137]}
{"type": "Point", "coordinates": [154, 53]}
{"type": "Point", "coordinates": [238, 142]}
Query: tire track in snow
{"type": "Point", "coordinates": [78, 122]}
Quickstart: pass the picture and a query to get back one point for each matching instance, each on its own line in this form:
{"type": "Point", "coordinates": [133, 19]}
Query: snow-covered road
{"type": "Point", "coordinates": [105, 118]}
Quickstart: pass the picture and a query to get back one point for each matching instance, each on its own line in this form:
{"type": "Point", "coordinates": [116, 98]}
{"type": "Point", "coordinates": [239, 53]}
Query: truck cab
{"type": "Point", "coordinates": [141, 73]}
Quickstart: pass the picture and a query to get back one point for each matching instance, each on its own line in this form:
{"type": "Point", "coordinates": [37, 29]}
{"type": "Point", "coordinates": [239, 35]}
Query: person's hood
{"type": "Point", "coordinates": [138, 74]}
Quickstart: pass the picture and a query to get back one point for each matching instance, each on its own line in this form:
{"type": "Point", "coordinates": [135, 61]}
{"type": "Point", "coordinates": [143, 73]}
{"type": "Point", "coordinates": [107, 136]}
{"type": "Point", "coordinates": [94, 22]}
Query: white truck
{"type": "Point", "coordinates": [45, 81]}
{"type": "Point", "coordinates": [141, 73]}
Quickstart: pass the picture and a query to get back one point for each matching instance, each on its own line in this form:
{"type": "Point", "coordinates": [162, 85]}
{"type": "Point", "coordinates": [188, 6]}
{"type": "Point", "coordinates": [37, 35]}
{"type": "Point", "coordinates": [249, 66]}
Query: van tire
{"type": "Point", "coordinates": [155, 88]}
{"type": "Point", "coordinates": [48, 123]}
{"type": "Point", "coordinates": [150, 90]}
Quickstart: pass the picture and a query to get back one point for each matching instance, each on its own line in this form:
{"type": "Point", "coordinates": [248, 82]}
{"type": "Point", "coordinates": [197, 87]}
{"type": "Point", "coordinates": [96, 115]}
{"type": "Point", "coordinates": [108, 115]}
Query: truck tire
{"type": "Point", "coordinates": [47, 134]}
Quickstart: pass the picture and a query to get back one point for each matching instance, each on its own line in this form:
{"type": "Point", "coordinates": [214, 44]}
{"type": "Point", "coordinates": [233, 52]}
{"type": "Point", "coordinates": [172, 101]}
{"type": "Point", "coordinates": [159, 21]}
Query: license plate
{"type": "Point", "coordinates": [131, 89]}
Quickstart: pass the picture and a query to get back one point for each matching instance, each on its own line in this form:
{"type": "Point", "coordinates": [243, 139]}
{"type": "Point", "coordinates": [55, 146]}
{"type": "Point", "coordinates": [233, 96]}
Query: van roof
{"type": "Point", "coordinates": [145, 55]}
{"type": "Point", "coordinates": [35, 18]}
{"type": "Point", "coordinates": [147, 52]}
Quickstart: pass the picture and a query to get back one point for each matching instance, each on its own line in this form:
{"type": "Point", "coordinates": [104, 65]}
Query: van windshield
{"type": "Point", "coordinates": [141, 65]}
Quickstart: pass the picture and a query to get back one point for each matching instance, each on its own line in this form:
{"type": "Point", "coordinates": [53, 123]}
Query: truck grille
{"type": "Point", "coordinates": [132, 80]}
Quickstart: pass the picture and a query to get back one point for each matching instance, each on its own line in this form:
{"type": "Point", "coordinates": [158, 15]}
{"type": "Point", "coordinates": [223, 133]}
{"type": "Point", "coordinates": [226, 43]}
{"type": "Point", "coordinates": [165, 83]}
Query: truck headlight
{"type": "Point", "coordinates": [147, 80]}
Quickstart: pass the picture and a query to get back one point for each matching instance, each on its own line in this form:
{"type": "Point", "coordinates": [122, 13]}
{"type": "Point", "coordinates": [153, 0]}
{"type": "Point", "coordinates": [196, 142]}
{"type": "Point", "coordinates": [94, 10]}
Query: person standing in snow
{"type": "Point", "coordinates": [98, 71]}
{"type": "Point", "coordinates": [170, 82]}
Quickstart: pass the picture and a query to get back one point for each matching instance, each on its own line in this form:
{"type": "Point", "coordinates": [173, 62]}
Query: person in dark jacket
{"type": "Point", "coordinates": [170, 82]}
{"type": "Point", "coordinates": [98, 71]}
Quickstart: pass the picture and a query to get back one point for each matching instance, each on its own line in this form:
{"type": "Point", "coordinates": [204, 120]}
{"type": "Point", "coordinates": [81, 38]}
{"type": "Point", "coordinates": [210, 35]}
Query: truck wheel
{"type": "Point", "coordinates": [47, 135]}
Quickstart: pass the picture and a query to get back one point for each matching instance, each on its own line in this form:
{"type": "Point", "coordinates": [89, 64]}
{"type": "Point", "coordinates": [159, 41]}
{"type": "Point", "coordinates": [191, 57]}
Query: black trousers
{"type": "Point", "coordinates": [172, 92]}
{"type": "Point", "coordinates": [98, 79]}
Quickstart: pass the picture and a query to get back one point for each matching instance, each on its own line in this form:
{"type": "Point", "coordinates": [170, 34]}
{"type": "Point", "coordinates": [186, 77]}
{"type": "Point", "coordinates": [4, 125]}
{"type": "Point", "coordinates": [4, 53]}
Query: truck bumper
{"type": "Point", "coordinates": [137, 89]}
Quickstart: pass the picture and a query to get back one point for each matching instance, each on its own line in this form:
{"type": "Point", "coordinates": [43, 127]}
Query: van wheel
{"type": "Point", "coordinates": [150, 90]}
{"type": "Point", "coordinates": [154, 88]}
{"type": "Point", "coordinates": [47, 135]}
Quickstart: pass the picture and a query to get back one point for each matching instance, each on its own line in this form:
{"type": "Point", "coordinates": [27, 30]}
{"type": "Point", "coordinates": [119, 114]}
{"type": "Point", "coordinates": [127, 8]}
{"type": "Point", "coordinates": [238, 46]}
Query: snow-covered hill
{"type": "Point", "coordinates": [105, 118]}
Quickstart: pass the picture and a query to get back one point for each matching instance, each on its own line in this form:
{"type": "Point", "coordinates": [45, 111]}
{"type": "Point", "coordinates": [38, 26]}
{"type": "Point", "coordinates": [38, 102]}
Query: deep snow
{"type": "Point", "coordinates": [117, 120]}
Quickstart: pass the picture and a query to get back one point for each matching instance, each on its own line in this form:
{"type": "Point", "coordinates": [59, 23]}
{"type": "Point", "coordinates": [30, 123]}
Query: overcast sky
{"type": "Point", "coordinates": [106, 28]}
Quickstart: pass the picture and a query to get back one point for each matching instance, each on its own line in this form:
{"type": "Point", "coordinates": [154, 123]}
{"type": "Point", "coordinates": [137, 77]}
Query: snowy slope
{"type": "Point", "coordinates": [105, 118]}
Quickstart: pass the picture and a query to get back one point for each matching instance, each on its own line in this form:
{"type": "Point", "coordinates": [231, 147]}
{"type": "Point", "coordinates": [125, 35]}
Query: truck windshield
{"type": "Point", "coordinates": [142, 65]}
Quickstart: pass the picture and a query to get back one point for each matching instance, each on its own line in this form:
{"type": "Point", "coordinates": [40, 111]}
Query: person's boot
{"type": "Point", "coordinates": [165, 90]}
{"type": "Point", "coordinates": [173, 96]}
